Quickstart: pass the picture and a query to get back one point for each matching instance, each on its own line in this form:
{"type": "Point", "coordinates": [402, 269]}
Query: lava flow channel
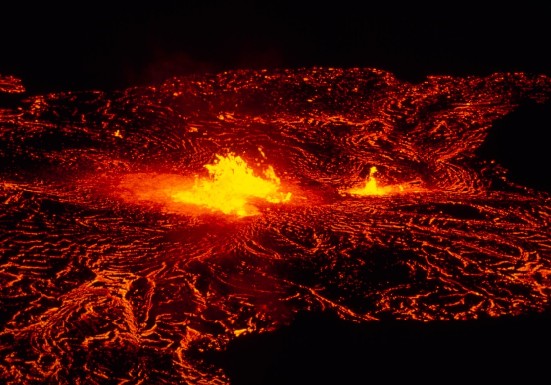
{"type": "Point", "coordinates": [142, 227]}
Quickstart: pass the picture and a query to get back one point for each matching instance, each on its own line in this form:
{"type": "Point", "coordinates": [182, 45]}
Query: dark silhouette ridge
{"type": "Point", "coordinates": [321, 349]}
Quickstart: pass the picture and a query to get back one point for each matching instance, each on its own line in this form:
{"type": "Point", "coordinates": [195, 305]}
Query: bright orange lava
{"type": "Point", "coordinates": [231, 188]}
{"type": "Point", "coordinates": [371, 186]}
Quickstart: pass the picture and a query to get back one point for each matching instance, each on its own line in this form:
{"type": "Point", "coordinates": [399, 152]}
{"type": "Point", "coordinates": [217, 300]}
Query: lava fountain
{"type": "Point", "coordinates": [371, 186]}
{"type": "Point", "coordinates": [229, 189]}
{"type": "Point", "coordinates": [143, 227]}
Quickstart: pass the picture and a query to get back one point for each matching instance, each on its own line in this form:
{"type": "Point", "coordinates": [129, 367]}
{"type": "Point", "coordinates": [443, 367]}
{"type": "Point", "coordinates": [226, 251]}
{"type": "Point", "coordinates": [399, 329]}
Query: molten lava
{"type": "Point", "coordinates": [114, 268]}
{"type": "Point", "coordinates": [371, 186]}
{"type": "Point", "coordinates": [231, 188]}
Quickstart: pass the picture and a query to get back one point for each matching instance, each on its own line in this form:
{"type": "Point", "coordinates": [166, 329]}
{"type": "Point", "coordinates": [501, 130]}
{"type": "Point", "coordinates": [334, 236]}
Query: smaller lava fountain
{"type": "Point", "coordinates": [371, 186]}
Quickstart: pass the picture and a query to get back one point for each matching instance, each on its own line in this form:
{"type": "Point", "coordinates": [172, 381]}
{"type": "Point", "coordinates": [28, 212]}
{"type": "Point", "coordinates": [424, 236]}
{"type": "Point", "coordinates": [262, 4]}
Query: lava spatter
{"type": "Point", "coordinates": [372, 187]}
{"type": "Point", "coordinates": [230, 188]}
{"type": "Point", "coordinates": [133, 236]}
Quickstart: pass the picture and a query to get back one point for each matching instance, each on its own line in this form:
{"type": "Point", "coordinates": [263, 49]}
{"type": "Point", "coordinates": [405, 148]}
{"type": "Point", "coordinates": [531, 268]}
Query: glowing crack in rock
{"type": "Point", "coordinates": [11, 85]}
{"type": "Point", "coordinates": [231, 186]}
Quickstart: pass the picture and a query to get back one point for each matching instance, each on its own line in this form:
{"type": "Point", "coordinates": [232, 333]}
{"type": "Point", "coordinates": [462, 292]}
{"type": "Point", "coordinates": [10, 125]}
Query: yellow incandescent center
{"type": "Point", "coordinates": [231, 186]}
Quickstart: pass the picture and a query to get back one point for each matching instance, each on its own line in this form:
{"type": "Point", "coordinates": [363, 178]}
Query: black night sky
{"type": "Point", "coordinates": [113, 45]}
{"type": "Point", "coordinates": [104, 45]}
